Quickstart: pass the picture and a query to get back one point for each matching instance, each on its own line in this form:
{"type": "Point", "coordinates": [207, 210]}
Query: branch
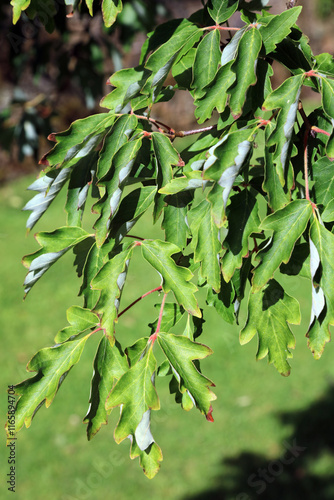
{"type": "Point", "coordinates": [158, 289]}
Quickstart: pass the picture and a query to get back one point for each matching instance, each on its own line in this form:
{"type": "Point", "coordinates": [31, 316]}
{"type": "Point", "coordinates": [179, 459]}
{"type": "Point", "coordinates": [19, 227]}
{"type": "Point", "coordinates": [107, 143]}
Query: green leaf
{"type": "Point", "coordinates": [18, 7]}
{"type": "Point", "coordinates": [215, 95]}
{"type": "Point", "coordinates": [176, 278]}
{"type": "Point", "coordinates": [288, 224]}
{"type": "Point", "coordinates": [118, 135]}
{"type": "Point", "coordinates": [136, 394]}
{"type": "Point", "coordinates": [221, 10]}
{"type": "Point", "coordinates": [77, 141]}
{"type": "Point", "coordinates": [245, 65]}
{"type": "Point", "coordinates": [205, 243]}
{"type": "Point", "coordinates": [163, 57]}
{"type": "Point", "coordinates": [109, 366]}
{"type": "Point", "coordinates": [190, 181]}
{"type": "Point", "coordinates": [129, 82]}
{"type": "Point", "coordinates": [110, 9]}
{"type": "Point", "coordinates": [206, 62]}
{"type": "Point", "coordinates": [277, 197]}
{"type": "Point", "coordinates": [231, 49]}
{"type": "Point", "coordinates": [227, 157]}
{"type": "Point", "coordinates": [180, 352]}
{"type": "Point", "coordinates": [175, 219]}
{"type": "Point", "coordinates": [171, 315]}
{"type": "Point", "coordinates": [182, 70]}
{"type": "Point", "coordinates": [80, 181]}
{"type": "Point", "coordinates": [285, 98]}
{"type": "Point", "coordinates": [48, 186]}
{"type": "Point", "coordinates": [322, 272]}
{"type": "Point", "coordinates": [165, 156]}
{"type": "Point", "coordinates": [322, 171]}
{"type": "Point", "coordinates": [278, 28]}
{"type": "Point", "coordinates": [94, 262]}
{"type": "Point", "coordinates": [80, 320]}
{"type": "Point", "coordinates": [54, 244]}
{"type": "Point", "coordinates": [222, 301]}
{"type": "Point", "coordinates": [243, 220]}
{"type": "Point", "coordinates": [269, 312]}
{"type": "Point", "coordinates": [132, 207]}
{"type": "Point", "coordinates": [110, 280]}
{"type": "Point", "coordinates": [327, 96]}
{"type": "Point", "coordinates": [52, 365]}
{"type": "Point", "coordinates": [328, 214]}
{"type": "Point", "coordinates": [107, 206]}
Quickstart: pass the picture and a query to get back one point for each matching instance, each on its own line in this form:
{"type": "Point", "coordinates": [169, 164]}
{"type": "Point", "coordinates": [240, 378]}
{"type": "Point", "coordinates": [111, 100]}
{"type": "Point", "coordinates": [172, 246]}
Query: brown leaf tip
{"type": "Point", "coordinates": [209, 416]}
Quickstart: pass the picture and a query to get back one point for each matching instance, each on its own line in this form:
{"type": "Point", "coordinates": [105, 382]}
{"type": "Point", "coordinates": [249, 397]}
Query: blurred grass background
{"type": "Point", "coordinates": [256, 414]}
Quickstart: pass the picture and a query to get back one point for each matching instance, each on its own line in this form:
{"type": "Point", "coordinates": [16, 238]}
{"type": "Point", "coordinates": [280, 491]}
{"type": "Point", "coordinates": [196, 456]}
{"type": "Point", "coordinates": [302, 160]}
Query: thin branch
{"type": "Point", "coordinates": [184, 133]}
{"type": "Point", "coordinates": [158, 289]}
{"type": "Point", "coordinates": [221, 28]}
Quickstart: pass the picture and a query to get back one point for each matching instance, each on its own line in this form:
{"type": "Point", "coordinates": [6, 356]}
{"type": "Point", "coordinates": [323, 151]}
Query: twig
{"type": "Point", "coordinates": [158, 289]}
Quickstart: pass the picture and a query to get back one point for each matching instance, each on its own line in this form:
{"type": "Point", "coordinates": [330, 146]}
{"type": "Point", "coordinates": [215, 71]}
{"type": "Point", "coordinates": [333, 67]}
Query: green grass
{"type": "Point", "coordinates": [257, 410]}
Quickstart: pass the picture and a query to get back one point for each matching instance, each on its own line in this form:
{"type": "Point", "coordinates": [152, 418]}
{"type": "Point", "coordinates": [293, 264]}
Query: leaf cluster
{"type": "Point", "coordinates": [236, 217]}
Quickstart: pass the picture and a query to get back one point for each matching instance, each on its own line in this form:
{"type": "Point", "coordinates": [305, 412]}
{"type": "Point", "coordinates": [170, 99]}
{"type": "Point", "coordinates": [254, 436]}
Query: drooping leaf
{"type": "Point", "coordinates": [18, 7]}
{"type": "Point", "coordinates": [109, 365]}
{"type": "Point", "coordinates": [215, 95]}
{"type": "Point", "coordinates": [165, 157]}
{"type": "Point", "coordinates": [54, 244]}
{"type": "Point", "coordinates": [110, 10]}
{"type": "Point", "coordinates": [245, 64]}
{"type": "Point", "coordinates": [174, 278]}
{"type": "Point", "coordinates": [322, 171]}
{"type": "Point", "coordinates": [277, 196]}
{"type": "Point", "coordinates": [285, 98]}
{"type": "Point", "coordinates": [288, 225]}
{"type": "Point", "coordinates": [327, 96]}
{"type": "Point", "coordinates": [136, 394]}
{"type": "Point", "coordinates": [226, 158]}
{"type": "Point", "coordinates": [180, 352]}
{"type": "Point", "coordinates": [77, 141]}
{"type": "Point", "coordinates": [222, 301]}
{"type": "Point", "coordinates": [175, 219]}
{"type": "Point", "coordinates": [81, 179]}
{"type": "Point", "coordinates": [205, 243]}
{"type": "Point", "coordinates": [269, 312]}
{"type": "Point", "coordinates": [231, 49]}
{"type": "Point", "coordinates": [243, 220]}
{"type": "Point", "coordinates": [53, 365]}
{"type": "Point", "coordinates": [107, 206]}
{"type": "Point", "coordinates": [119, 134]}
{"type": "Point", "coordinates": [322, 273]}
{"type": "Point", "coordinates": [206, 62]}
{"type": "Point", "coordinates": [110, 280]}
{"type": "Point", "coordinates": [132, 207]}
{"type": "Point", "coordinates": [48, 186]}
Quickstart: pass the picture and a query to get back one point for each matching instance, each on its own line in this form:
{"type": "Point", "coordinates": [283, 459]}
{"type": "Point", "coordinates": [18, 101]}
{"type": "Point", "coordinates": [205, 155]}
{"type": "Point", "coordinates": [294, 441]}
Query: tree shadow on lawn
{"type": "Point", "coordinates": [292, 475]}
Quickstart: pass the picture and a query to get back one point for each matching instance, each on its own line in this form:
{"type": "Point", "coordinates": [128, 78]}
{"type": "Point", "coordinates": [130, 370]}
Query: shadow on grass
{"type": "Point", "coordinates": [304, 470]}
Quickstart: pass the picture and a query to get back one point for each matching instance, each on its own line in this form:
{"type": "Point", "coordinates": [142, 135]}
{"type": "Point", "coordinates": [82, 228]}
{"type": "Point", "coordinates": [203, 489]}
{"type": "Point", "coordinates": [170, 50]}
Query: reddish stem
{"type": "Point", "coordinates": [221, 28]}
{"type": "Point", "coordinates": [158, 289]}
{"type": "Point", "coordinates": [319, 130]}
{"type": "Point", "coordinates": [154, 336]}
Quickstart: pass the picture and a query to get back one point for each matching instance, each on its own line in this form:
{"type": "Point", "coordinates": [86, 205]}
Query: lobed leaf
{"type": "Point", "coordinates": [269, 312]}
{"type": "Point", "coordinates": [174, 278]}
{"type": "Point", "coordinates": [180, 352]}
{"type": "Point", "coordinates": [288, 224]}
